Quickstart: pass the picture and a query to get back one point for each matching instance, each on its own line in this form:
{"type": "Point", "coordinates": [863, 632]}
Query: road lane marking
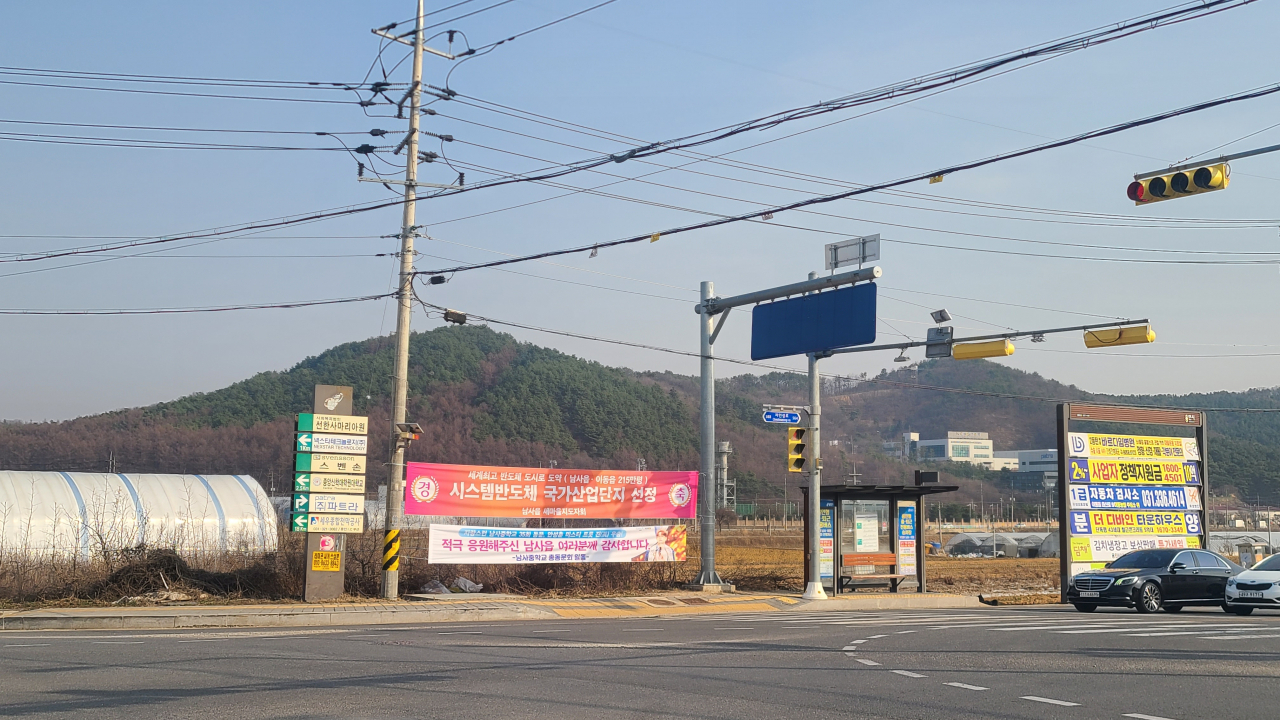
{"type": "Point", "coordinates": [966, 686]}
{"type": "Point", "coordinates": [369, 636]}
{"type": "Point", "coordinates": [117, 642]}
{"type": "Point", "coordinates": [552, 631]}
{"type": "Point", "coordinates": [849, 654]}
{"type": "Point", "coordinates": [847, 648]}
{"type": "Point", "coordinates": [1140, 716]}
{"type": "Point", "coordinates": [736, 628]}
{"type": "Point", "coordinates": [876, 637]}
{"type": "Point", "coordinates": [857, 642]}
{"type": "Point", "coordinates": [643, 629]}
{"type": "Point", "coordinates": [1234, 637]}
{"type": "Point", "coordinates": [907, 673]}
{"type": "Point", "coordinates": [209, 640]}
{"type": "Point", "coordinates": [865, 661]}
{"type": "Point", "coordinates": [30, 645]}
{"type": "Point", "coordinates": [462, 632]}
{"type": "Point", "coordinates": [1050, 701]}
{"type": "Point", "coordinates": [1112, 630]}
{"type": "Point", "coordinates": [905, 632]}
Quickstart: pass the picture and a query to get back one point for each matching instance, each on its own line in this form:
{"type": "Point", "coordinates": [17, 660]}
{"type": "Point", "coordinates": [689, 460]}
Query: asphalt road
{"type": "Point", "coordinates": [1044, 662]}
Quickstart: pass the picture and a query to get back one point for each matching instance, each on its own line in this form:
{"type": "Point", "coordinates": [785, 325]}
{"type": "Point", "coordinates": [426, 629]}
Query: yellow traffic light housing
{"type": "Point", "coordinates": [1111, 337]}
{"type": "Point", "coordinates": [1180, 184]}
{"type": "Point", "coordinates": [796, 443]}
{"type": "Point", "coordinates": [974, 351]}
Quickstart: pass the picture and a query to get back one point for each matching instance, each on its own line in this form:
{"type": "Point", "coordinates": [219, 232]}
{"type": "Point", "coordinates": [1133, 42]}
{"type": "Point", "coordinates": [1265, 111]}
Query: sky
{"type": "Point", "coordinates": [648, 71]}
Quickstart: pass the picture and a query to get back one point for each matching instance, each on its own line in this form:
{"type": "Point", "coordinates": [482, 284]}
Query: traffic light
{"type": "Point", "coordinates": [1110, 337]}
{"type": "Point", "coordinates": [1180, 184]}
{"type": "Point", "coordinates": [796, 442]}
{"type": "Point", "coordinates": [973, 351]}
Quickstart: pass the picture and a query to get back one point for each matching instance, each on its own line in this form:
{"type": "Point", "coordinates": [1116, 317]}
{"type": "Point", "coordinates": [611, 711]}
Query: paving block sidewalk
{"type": "Point", "coordinates": [453, 608]}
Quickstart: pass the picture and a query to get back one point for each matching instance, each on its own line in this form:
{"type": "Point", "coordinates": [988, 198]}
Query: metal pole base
{"type": "Point", "coordinates": [814, 591]}
{"type": "Point", "coordinates": [708, 577]}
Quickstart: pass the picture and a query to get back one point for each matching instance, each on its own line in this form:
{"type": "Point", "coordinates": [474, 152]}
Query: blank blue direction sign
{"type": "Point", "coordinates": [790, 418]}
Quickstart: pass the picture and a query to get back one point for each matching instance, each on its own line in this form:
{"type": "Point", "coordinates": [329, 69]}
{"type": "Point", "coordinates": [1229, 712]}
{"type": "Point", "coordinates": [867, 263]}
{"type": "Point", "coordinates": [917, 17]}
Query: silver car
{"type": "Point", "coordinates": [1257, 587]}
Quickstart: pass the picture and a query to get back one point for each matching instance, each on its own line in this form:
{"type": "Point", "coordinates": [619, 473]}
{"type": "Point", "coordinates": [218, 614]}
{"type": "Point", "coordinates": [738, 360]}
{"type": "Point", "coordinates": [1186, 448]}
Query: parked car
{"type": "Point", "coordinates": [1257, 587]}
{"type": "Point", "coordinates": [1151, 580]}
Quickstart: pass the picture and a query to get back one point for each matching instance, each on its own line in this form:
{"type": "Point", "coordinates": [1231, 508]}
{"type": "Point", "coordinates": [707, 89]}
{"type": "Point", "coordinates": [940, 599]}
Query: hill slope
{"type": "Point", "coordinates": [483, 397]}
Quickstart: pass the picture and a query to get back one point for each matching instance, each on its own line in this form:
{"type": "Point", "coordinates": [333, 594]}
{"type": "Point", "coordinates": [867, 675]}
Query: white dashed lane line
{"type": "Point", "coordinates": [865, 661]}
{"type": "Point", "coordinates": [117, 642]}
{"type": "Point", "coordinates": [905, 632]}
{"type": "Point", "coordinates": [465, 632]}
{"type": "Point", "coordinates": [353, 637]}
{"type": "Point", "coordinates": [1050, 701]}
{"type": "Point", "coordinates": [857, 642]}
{"type": "Point", "coordinates": [876, 637]}
{"type": "Point", "coordinates": [907, 673]}
{"type": "Point", "coordinates": [1140, 716]}
{"type": "Point", "coordinates": [552, 631]}
{"type": "Point", "coordinates": [966, 686]}
{"type": "Point", "coordinates": [30, 645]}
{"type": "Point", "coordinates": [209, 640]}
{"type": "Point", "coordinates": [848, 648]}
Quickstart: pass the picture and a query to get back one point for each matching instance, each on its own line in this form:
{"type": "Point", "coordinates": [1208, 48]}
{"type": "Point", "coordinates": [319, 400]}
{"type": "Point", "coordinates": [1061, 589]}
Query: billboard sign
{"type": "Point", "coordinates": [814, 323]}
{"type": "Point", "coordinates": [1105, 549]}
{"type": "Point", "coordinates": [1140, 472]}
{"type": "Point", "coordinates": [486, 491]}
{"type": "Point", "coordinates": [1133, 497]}
{"type": "Point", "coordinates": [1132, 446]}
{"type": "Point", "coordinates": [827, 539]}
{"type": "Point", "coordinates": [454, 544]}
{"type": "Point", "coordinates": [1130, 522]}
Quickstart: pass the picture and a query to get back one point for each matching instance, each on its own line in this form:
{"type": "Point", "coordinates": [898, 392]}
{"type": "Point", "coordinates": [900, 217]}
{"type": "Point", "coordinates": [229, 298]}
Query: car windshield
{"type": "Point", "coordinates": [1271, 564]}
{"type": "Point", "coordinates": [1142, 559]}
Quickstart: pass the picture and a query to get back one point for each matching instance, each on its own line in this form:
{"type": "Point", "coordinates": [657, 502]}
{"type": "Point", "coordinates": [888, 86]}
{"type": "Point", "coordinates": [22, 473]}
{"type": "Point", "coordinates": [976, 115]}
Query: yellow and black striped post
{"type": "Point", "coordinates": [391, 551]}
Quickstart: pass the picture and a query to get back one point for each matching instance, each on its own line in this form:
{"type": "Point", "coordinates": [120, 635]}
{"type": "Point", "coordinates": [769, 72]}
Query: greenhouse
{"type": "Point", "coordinates": [91, 514]}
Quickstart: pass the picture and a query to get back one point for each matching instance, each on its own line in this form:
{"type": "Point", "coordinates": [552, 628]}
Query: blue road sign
{"type": "Point", "coordinates": [790, 418]}
{"type": "Point", "coordinates": [814, 323]}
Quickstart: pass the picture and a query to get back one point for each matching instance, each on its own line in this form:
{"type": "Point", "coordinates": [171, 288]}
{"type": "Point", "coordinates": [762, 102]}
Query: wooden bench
{"type": "Point", "coordinates": [849, 579]}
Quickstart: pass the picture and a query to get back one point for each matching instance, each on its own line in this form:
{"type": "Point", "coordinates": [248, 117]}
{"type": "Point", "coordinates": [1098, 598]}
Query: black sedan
{"type": "Point", "coordinates": [1151, 580]}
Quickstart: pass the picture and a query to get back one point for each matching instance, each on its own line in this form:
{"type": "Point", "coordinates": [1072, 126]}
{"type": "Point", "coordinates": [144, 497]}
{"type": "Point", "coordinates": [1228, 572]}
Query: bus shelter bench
{"type": "Point", "coordinates": [884, 564]}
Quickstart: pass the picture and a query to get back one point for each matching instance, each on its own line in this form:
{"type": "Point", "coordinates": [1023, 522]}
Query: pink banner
{"type": "Point", "coordinates": [480, 491]}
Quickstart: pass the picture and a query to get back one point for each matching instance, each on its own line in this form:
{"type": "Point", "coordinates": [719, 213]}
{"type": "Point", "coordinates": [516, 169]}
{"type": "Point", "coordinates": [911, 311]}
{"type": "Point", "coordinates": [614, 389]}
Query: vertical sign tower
{"type": "Point", "coordinates": [328, 486]}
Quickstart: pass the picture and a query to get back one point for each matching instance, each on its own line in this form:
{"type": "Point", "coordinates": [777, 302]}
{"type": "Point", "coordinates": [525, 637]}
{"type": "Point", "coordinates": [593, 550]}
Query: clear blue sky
{"type": "Point", "coordinates": [650, 70]}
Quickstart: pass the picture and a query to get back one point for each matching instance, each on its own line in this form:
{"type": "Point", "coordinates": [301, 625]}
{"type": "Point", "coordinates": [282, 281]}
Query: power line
{"type": "Point", "coordinates": [892, 184]}
{"type": "Point", "coordinates": [154, 144]}
{"type": "Point", "coordinates": [182, 94]}
{"type": "Point", "coordinates": [878, 381]}
{"type": "Point", "coordinates": [186, 80]}
{"type": "Point", "coordinates": [375, 132]}
{"type": "Point", "coordinates": [198, 309]}
{"type": "Point", "coordinates": [546, 25]}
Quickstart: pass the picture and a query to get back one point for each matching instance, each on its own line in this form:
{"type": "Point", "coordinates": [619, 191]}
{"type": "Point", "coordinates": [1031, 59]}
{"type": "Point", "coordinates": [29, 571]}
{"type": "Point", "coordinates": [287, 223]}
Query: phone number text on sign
{"type": "Point", "coordinates": [1143, 472]}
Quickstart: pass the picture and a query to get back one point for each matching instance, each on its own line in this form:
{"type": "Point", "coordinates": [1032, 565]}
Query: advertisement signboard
{"type": "Point", "coordinates": [1129, 522]}
{"type": "Point", "coordinates": [342, 424]}
{"type": "Point", "coordinates": [1131, 497]}
{"type": "Point", "coordinates": [906, 539]}
{"type": "Point", "coordinates": [454, 544]}
{"type": "Point", "coordinates": [1106, 549]}
{"type": "Point", "coordinates": [1152, 447]}
{"type": "Point", "coordinates": [485, 491]}
{"type": "Point", "coordinates": [827, 539]}
{"type": "Point", "coordinates": [328, 443]}
{"type": "Point", "coordinates": [1142, 472]}
{"type": "Point", "coordinates": [328, 463]}
{"type": "Point", "coordinates": [321, 482]}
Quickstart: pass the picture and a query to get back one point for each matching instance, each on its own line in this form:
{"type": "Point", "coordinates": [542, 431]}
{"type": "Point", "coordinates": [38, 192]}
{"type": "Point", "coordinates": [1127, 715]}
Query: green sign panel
{"type": "Point", "coordinates": [299, 524]}
{"type": "Point", "coordinates": [343, 424]}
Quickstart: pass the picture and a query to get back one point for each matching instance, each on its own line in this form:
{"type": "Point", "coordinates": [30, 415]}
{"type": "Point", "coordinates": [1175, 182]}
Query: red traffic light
{"type": "Point", "coordinates": [1137, 191]}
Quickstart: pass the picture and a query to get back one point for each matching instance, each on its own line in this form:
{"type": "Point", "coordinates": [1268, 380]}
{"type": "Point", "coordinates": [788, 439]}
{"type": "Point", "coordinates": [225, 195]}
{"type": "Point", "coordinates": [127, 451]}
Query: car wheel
{"type": "Point", "coordinates": [1241, 610]}
{"type": "Point", "coordinates": [1172, 608]}
{"type": "Point", "coordinates": [1085, 607]}
{"type": "Point", "coordinates": [1149, 598]}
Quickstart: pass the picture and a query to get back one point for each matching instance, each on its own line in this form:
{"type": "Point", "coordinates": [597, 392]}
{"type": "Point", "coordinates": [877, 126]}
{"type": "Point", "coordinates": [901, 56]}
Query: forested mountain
{"type": "Point", "coordinates": [483, 397]}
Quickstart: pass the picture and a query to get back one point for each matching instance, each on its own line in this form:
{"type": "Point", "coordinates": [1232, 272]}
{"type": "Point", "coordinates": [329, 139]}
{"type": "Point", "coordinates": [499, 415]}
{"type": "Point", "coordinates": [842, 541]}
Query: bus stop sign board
{"type": "Point", "coordinates": [814, 323]}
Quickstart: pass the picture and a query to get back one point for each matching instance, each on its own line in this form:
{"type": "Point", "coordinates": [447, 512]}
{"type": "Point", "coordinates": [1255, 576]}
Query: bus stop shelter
{"type": "Point", "coordinates": [870, 536]}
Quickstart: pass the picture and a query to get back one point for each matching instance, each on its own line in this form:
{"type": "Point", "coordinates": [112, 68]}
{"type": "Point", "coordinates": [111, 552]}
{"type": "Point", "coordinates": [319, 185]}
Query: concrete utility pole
{"type": "Point", "coordinates": [813, 589]}
{"type": "Point", "coordinates": [726, 495]}
{"type": "Point", "coordinates": [396, 479]}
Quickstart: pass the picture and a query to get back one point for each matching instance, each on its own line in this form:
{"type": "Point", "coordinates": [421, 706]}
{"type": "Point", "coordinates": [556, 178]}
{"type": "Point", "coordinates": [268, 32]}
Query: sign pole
{"type": "Point", "coordinates": [1064, 483]}
{"type": "Point", "coordinates": [813, 589]}
{"type": "Point", "coordinates": [707, 423]}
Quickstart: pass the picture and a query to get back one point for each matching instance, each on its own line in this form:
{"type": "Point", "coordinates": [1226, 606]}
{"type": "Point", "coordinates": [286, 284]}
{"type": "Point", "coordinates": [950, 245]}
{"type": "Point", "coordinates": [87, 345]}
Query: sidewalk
{"type": "Point", "coordinates": [453, 608]}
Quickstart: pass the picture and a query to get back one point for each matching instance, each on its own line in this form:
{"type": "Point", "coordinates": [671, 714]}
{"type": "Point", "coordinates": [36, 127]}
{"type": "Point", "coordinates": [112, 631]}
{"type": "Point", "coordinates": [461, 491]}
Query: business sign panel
{"type": "Point", "coordinates": [327, 463]}
{"type": "Point", "coordinates": [317, 523]}
{"type": "Point", "coordinates": [321, 482]}
{"type": "Point", "coordinates": [454, 544]}
{"type": "Point", "coordinates": [1133, 497]}
{"type": "Point", "coordinates": [1106, 549]}
{"type": "Point", "coordinates": [325, 503]}
{"type": "Point", "coordinates": [326, 443]}
{"type": "Point", "coordinates": [484, 491]}
{"type": "Point", "coordinates": [814, 323]}
{"type": "Point", "coordinates": [1132, 446]}
{"type": "Point", "coordinates": [1129, 522]}
{"type": "Point", "coordinates": [342, 424]}
{"type": "Point", "coordinates": [1139, 472]}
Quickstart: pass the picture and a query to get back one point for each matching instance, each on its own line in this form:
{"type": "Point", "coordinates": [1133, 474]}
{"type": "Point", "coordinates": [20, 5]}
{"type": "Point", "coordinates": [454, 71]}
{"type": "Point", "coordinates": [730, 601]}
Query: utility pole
{"type": "Point", "coordinates": [706, 481]}
{"type": "Point", "coordinates": [396, 480]}
{"type": "Point", "coordinates": [813, 590]}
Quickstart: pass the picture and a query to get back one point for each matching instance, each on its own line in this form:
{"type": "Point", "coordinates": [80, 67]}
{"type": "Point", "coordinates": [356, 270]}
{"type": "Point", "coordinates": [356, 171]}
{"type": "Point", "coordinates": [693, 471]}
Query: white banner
{"type": "Point", "coordinates": [455, 544]}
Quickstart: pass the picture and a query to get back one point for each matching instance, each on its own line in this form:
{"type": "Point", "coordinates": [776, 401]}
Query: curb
{"type": "Point", "coordinates": [445, 610]}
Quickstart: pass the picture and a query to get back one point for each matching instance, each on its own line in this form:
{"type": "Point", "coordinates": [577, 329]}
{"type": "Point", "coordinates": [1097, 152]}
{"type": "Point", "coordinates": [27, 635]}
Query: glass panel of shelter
{"type": "Point", "coordinates": [865, 528]}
